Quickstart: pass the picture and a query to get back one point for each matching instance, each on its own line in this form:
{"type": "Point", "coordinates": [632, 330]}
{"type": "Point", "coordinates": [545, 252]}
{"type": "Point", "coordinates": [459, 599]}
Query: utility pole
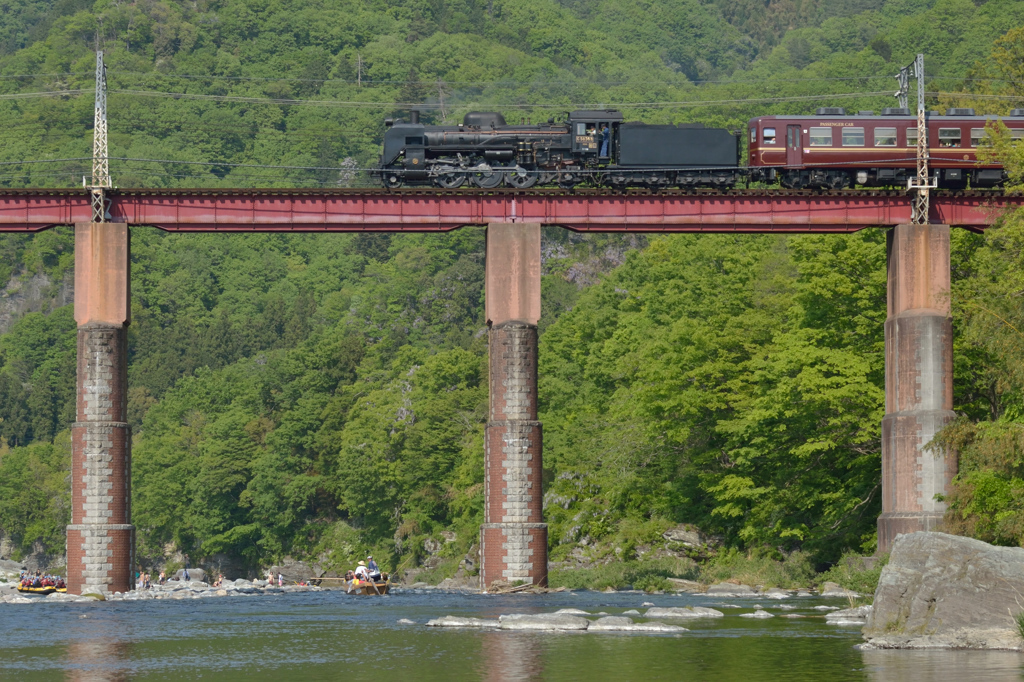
{"type": "Point", "coordinates": [440, 100]}
{"type": "Point", "coordinates": [100, 154]}
{"type": "Point", "coordinates": [921, 183]}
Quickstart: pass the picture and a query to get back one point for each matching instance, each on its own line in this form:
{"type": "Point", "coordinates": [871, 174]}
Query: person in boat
{"type": "Point", "coordinates": [61, 585]}
{"type": "Point", "coordinates": [373, 568]}
{"type": "Point", "coordinates": [362, 572]}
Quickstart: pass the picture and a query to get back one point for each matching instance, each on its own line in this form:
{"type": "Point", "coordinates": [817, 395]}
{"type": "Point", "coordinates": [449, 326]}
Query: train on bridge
{"type": "Point", "coordinates": [598, 148]}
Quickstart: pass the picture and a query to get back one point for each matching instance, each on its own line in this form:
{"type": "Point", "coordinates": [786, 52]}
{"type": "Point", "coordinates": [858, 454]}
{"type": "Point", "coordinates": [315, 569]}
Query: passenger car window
{"type": "Point", "coordinates": [753, 134]}
{"type": "Point", "coordinates": [977, 137]}
{"type": "Point", "coordinates": [853, 137]}
{"type": "Point", "coordinates": [769, 136]}
{"type": "Point", "coordinates": [821, 137]}
{"type": "Point", "coordinates": [885, 137]}
{"type": "Point", "coordinates": [949, 137]}
{"type": "Point", "coordinates": [911, 137]}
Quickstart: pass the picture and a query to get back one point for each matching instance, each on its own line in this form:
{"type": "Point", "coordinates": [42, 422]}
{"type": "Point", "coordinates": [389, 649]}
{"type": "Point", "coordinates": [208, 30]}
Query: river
{"type": "Point", "coordinates": [333, 636]}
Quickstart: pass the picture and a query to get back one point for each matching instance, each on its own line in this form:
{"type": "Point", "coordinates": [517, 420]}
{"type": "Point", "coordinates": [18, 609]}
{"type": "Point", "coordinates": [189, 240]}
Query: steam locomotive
{"type": "Point", "coordinates": [594, 147]}
{"type": "Point", "coordinates": [829, 150]}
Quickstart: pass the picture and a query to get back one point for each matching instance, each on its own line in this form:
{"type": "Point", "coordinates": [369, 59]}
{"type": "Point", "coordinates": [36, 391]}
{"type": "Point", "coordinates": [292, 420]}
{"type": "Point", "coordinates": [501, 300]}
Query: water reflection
{"type": "Point", "coordinates": [97, 659]}
{"type": "Point", "coordinates": [510, 657]}
{"type": "Point", "coordinates": [942, 666]}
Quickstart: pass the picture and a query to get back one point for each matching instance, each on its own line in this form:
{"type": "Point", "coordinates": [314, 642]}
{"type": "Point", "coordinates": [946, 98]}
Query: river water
{"type": "Point", "coordinates": [334, 636]}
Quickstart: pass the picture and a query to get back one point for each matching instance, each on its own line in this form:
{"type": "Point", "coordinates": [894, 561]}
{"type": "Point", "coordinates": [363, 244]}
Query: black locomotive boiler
{"type": "Point", "coordinates": [591, 147]}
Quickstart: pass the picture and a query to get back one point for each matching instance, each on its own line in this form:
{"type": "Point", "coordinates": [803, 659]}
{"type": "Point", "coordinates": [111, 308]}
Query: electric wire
{"type": "Point", "coordinates": [367, 82]}
{"type": "Point", "coordinates": [419, 105]}
{"type": "Point", "coordinates": [47, 93]}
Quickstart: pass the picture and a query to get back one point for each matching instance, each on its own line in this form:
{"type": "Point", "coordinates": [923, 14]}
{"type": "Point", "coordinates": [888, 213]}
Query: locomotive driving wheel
{"type": "Point", "coordinates": [487, 179]}
{"type": "Point", "coordinates": [521, 179]}
{"type": "Point", "coordinates": [392, 181]}
{"type": "Point", "coordinates": [451, 180]}
{"type": "Point", "coordinates": [568, 179]}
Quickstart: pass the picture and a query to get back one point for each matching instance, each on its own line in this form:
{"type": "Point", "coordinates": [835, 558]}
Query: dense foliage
{"type": "Point", "coordinates": [319, 395]}
{"type": "Point", "coordinates": [303, 85]}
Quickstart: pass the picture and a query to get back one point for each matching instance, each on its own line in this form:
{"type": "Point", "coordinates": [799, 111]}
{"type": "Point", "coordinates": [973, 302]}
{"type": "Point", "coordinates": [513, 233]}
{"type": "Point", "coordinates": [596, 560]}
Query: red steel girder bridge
{"type": "Point", "coordinates": [352, 210]}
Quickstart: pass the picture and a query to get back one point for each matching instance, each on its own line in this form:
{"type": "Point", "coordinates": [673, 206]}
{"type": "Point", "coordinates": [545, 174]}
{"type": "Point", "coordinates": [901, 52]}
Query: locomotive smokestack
{"type": "Point", "coordinates": [414, 116]}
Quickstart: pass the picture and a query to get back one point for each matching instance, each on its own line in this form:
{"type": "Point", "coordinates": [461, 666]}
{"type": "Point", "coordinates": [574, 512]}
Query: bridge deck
{"type": "Point", "coordinates": [410, 210]}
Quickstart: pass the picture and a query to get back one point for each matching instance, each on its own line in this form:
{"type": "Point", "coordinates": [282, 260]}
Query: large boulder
{"type": "Point", "coordinates": [945, 591]}
{"type": "Point", "coordinates": [193, 574]}
{"type": "Point", "coordinates": [295, 571]}
{"type": "Point", "coordinates": [686, 535]}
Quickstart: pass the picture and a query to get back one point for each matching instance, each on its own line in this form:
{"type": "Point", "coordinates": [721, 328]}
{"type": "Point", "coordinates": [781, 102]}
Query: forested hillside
{"type": "Point", "coordinates": [319, 395]}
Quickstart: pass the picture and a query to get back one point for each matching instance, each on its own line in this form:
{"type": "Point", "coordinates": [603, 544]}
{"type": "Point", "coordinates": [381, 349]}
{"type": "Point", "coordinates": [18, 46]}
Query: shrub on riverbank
{"type": "Point", "coordinates": [756, 568]}
{"type": "Point", "coordinates": [647, 575]}
{"type": "Point", "coordinates": [851, 573]}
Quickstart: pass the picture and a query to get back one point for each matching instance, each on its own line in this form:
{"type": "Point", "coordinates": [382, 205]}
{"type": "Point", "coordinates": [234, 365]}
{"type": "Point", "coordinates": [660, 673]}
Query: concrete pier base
{"type": "Point", "coordinates": [513, 538]}
{"type": "Point", "coordinates": [101, 539]}
{"type": "Point", "coordinates": [918, 381]}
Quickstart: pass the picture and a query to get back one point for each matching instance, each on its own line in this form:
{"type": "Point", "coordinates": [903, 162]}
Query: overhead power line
{"type": "Point", "coordinates": [497, 105]}
{"type": "Point", "coordinates": [46, 93]}
{"type": "Point", "coordinates": [577, 82]}
{"type": "Point", "coordinates": [19, 163]}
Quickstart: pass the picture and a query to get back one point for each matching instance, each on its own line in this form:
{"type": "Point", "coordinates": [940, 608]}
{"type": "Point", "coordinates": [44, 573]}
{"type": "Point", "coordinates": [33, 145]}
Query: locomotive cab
{"type": "Point", "coordinates": [594, 133]}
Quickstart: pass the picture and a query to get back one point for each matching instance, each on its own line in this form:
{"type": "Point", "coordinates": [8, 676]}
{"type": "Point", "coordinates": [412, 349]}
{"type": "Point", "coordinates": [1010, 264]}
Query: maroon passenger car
{"type": "Point", "coordinates": [832, 150]}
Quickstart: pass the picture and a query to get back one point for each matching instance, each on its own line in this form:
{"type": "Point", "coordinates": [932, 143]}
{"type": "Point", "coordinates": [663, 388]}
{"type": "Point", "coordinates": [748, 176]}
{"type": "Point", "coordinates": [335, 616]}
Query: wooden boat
{"type": "Point", "coordinates": [369, 587]}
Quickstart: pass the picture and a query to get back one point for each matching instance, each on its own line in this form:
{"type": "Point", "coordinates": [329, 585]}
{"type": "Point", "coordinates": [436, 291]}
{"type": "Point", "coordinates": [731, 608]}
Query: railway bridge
{"type": "Point", "coordinates": [513, 538]}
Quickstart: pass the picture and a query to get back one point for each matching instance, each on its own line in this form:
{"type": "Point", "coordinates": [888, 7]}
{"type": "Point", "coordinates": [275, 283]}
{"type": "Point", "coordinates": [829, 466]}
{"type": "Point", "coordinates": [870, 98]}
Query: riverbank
{"type": "Point", "coordinates": [174, 589]}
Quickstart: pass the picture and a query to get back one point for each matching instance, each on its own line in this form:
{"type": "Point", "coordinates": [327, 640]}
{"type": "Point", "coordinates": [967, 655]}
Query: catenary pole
{"type": "Point", "coordinates": [100, 152]}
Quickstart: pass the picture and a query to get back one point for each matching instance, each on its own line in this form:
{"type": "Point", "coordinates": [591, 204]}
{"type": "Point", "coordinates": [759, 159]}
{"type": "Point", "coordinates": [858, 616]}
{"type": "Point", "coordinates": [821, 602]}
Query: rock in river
{"type": "Point", "coordinates": [760, 613]}
{"type": "Point", "coordinates": [461, 622]}
{"type": "Point", "coordinates": [946, 591]}
{"type": "Point", "coordinates": [542, 621]}
{"type": "Point", "coordinates": [835, 590]}
{"type": "Point", "coordinates": [854, 616]}
{"type": "Point", "coordinates": [730, 590]}
{"type": "Point", "coordinates": [682, 612]}
{"type": "Point", "coordinates": [621, 624]}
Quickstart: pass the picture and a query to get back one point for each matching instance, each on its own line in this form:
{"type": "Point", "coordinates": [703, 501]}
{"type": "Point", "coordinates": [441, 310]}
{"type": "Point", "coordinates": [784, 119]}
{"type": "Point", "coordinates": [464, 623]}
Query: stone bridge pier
{"type": "Point", "coordinates": [918, 381]}
{"type": "Point", "coordinates": [513, 538]}
{"type": "Point", "coordinates": [101, 539]}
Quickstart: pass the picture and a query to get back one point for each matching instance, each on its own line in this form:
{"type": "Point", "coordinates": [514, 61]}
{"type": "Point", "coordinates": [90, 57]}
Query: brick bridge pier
{"type": "Point", "coordinates": [513, 538]}
{"type": "Point", "coordinates": [101, 539]}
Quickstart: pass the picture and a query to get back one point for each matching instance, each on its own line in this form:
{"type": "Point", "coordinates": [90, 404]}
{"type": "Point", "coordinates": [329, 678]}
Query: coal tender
{"type": "Point", "coordinates": [591, 147]}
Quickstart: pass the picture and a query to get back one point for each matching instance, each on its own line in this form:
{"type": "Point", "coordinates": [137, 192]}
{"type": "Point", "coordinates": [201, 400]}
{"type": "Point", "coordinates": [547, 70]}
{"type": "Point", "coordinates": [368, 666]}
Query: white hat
{"type": "Point", "coordinates": [362, 563]}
